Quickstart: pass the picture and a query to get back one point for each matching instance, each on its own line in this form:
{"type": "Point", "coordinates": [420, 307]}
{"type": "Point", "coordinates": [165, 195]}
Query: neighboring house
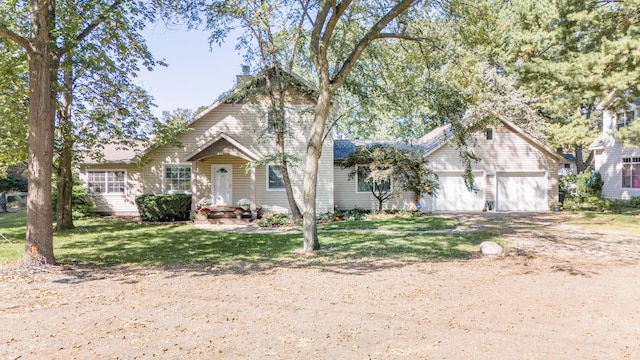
{"type": "Point", "coordinates": [567, 165]}
{"type": "Point", "coordinates": [516, 173]}
{"type": "Point", "coordinates": [618, 166]}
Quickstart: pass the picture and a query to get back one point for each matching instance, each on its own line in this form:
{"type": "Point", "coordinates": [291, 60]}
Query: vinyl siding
{"type": "Point", "coordinates": [608, 163]}
{"type": "Point", "coordinates": [347, 197]}
{"type": "Point", "coordinates": [246, 123]}
{"type": "Point", "coordinates": [115, 203]}
{"type": "Point", "coordinates": [507, 152]}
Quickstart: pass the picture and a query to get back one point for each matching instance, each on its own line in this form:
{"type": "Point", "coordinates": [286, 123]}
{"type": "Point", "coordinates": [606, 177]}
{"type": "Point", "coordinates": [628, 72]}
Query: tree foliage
{"type": "Point", "coordinates": [391, 170]}
{"type": "Point", "coordinates": [569, 55]}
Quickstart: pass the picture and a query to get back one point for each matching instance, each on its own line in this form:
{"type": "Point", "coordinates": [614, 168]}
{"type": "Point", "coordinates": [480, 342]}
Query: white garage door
{"type": "Point", "coordinates": [526, 191]}
{"type": "Point", "coordinates": [453, 194]}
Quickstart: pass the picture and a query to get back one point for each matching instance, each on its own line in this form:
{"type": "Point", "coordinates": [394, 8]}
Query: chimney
{"type": "Point", "coordinates": [244, 76]}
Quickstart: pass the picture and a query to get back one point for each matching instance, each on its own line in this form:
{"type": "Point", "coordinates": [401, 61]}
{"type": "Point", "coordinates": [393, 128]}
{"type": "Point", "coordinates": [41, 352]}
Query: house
{"type": "Point", "coordinates": [212, 161]}
{"type": "Point", "coordinates": [567, 165]}
{"type": "Point", "coordinates": [618, 166]}
{"type": "Point", "coordinates": [517, 172]}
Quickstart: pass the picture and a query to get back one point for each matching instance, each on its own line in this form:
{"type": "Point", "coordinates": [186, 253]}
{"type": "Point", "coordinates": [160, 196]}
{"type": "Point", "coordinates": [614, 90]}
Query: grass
{"type": "Point", "coordinates": [113, 242]}
{"type": "Point", "coordinates": [415, 223]}
{"type": "Point", "coordinates": [629, 221]}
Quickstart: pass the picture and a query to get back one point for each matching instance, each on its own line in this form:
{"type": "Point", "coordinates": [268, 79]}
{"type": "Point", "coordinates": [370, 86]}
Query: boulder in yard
{"type": "Point", "coordinates": [490, 248]}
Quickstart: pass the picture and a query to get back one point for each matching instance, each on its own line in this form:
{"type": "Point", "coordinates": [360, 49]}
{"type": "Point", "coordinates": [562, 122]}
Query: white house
{"type": "Point", "coordinates": [618, 166]}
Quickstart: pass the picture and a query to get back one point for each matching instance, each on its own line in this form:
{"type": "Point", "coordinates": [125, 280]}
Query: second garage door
{"type": "Point", "coordinates": [454, 196]}
{"type": "Point", "coordinates": [521, 191]}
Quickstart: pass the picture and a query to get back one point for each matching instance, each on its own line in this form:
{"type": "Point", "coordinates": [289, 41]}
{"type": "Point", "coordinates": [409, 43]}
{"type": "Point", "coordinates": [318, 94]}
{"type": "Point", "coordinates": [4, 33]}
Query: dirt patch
{"type": "Point", "coordinates": [557, 291]}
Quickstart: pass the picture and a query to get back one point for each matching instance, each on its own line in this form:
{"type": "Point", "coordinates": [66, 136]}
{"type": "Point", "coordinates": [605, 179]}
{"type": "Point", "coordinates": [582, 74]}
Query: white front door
{"type": "Point", "coordinates": [221, 184]}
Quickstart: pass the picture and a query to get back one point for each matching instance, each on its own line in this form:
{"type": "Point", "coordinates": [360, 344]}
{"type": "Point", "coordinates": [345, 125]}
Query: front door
{"type": "Point", "coordinates": [221, 184]}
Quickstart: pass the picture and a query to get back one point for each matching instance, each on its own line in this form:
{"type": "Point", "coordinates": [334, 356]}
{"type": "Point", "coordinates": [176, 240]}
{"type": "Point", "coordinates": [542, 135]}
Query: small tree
{"type": "Point", "coordinates": [390, 170]}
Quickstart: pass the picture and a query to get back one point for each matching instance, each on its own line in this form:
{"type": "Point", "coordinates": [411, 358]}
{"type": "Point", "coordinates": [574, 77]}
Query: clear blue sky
{"type": "Point", "coordinates": [195, 76]}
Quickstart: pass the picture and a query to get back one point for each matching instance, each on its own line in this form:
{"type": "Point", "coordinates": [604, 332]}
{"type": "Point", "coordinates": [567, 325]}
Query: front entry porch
{"type": "Point", "coordinates": [220, 176]}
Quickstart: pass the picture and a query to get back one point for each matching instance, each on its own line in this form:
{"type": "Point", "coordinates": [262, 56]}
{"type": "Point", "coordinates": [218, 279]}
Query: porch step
{"type": "Point", "coordinates": [223, 221]}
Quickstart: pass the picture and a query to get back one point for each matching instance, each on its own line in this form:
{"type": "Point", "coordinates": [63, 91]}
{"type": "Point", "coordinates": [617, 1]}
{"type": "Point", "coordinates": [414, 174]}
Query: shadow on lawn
{"type": "Point", "coordinates": [120, 247]}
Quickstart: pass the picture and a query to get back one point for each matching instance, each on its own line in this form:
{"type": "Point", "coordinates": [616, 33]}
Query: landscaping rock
{"type": "Point", "coordinates": [490, 248]}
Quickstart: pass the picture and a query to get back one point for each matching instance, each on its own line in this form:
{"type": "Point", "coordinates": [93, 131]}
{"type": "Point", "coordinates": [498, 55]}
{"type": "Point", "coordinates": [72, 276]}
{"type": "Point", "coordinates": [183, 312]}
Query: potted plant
{"type": "Point", "coordinates": [244, 203]}
{"type": "Point", "coordinates": [239, 212]}
{"type": "Point", "coordinates": [203, 213]}
{"type": "Point", "coordinates": [555, 205]}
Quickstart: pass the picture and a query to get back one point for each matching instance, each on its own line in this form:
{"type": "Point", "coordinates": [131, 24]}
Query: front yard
{"type": "Point", "coordinates": [566, 286]}
{"type": "Point", "coordinates": [109, 242]}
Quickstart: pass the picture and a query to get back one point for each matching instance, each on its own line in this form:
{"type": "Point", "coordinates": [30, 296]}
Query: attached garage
{"type": "Point", "coordinates": [454, 196]}
{"type": "Point", "coordinates": [521, 191]}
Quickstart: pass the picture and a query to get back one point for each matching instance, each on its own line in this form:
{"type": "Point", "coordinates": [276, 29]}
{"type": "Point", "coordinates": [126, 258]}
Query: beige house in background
{"type": "Point", "coordinates": [517, 172]}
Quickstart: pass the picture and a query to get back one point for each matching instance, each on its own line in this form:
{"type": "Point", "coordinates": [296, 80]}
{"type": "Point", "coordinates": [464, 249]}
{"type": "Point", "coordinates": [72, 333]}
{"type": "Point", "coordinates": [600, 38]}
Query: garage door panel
{"type": "Point", "coordinates": [521, 192]}
{"type": "Point", "coordinates": [454, 196]}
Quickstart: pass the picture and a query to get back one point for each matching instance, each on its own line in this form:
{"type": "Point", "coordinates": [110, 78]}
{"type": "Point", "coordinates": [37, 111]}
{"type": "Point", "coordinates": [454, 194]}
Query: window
{"type": "Point", "coordinates": [106, 181]}
{"type": "Point", "coordinates": [488, 133]}
{"type": "Point", "coordinates": [567, 166]}
{"type": "Point", "coordinates": [177, 179]}
{"type": "Point", "coordinates": [363, 185]}
{"type": "Point", "coordinates": [271, 122]}
{"type": "Point", "coordinates": [631, 173]}
{"type": "Point", "coordinates": [274, 178]}
{"type": "Point", "coordinates": [623, 118]}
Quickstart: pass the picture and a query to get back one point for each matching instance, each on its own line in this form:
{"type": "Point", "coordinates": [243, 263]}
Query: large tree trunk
{"type": "Point", "coordinates": [64, 218]}
{"type": "Point", "coordinates": [39, 239]}
{"type": "Point", "coordinates": [581, 164]}
{"type": "Point", "coordinates": [280, 128]}
{"type": "Point", "coordinates": [314, 151]}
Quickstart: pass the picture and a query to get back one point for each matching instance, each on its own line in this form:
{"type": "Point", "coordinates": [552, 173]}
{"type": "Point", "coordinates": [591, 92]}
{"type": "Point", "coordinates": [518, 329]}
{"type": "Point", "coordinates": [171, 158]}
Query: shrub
{"type": "Point", "coordinates": [274, 220]}
{"type": "Point", "coordinates": [589, 185]}
{"type": "Point", "coordinates": [81, 204]}
{"type": "Point", "coordinates": [164, 207]}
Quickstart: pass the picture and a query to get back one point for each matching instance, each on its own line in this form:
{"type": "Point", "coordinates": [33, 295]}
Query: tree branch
{"type": "Point", "coordinates": [84, 33]}
{"type": "Point", "coordinates": [374, 31]}
{"type": "Point", "coordinates": [10, 35]}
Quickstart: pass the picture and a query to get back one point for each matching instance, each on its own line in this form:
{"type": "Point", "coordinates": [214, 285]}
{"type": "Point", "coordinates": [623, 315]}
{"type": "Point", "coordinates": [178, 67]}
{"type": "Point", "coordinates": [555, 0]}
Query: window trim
{"type": "Point", "coordinates": [488, 133]}
{"type": "Point", "coordinates": [268, 121]}
{"type": "Point", "coordinates": [164, 177]}
{"type": "Point", "coordinates": [630, 162]}
{"type": "Point", "coordinates": [374, 186]}
{"type": "Point", "coordinates": [622, 115]}
{"type": "Point", "coordinates": [268, 187]}
{"type": "Point", "coordinates": [105, 171]}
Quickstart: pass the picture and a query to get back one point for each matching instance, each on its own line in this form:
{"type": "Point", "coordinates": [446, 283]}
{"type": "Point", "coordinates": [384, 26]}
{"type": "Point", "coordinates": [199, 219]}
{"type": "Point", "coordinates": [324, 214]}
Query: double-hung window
{"type": "Point", "coordinates": [177, 178]}
{"type": "Point", "coordinates": [364, 183]}
{"type": "Point", "coordinates": [274, 178]}
{"type": "Point", "coordinates": [623, 118]}
{"type": "Point", "coordinates": [106, 181]}
{"type": "Point", "coordinates": [631, 172]}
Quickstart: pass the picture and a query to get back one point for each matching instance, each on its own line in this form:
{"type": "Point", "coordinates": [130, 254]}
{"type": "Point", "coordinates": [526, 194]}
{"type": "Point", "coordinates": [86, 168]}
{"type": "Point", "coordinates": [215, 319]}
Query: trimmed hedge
{"type": "Point", "coordinates": [164, 207]}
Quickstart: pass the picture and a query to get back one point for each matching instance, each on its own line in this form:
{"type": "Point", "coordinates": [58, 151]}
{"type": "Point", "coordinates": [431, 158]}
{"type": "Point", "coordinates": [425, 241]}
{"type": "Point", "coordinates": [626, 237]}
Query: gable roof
{"type": "Point", "coordinates": [253, 80]}
{"type": "Point", "coordinates": [222, 144]}
{"type": "Point", "coordinates": [432, 141]}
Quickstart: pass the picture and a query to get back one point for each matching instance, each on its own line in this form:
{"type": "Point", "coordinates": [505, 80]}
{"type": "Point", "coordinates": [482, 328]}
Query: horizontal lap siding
{"type": "Point", "coordinates": [115, 203]}
{"type": "Point", "coordinates": [246, 124]}
{"type": "Point", "coordinates": [347, 197]}
{"type": "Point", "coordinates": [609, 164]}
{"type": "Point", "coordinates": [508, 151]}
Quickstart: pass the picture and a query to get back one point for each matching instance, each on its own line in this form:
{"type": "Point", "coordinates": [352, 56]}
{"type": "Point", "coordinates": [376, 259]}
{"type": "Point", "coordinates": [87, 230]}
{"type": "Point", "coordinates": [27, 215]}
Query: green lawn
{"type": "Point", "coordinates": [112, 242]}
{"type": "Point", "coordinates": [417, 223]}
{"type": "Point", "coordinates": [629, 221]}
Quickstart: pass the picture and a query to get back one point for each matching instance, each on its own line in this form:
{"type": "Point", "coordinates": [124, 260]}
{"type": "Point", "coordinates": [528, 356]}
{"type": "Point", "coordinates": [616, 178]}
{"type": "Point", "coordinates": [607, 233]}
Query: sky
{"type": "Point", "coordinates": [195, 76]}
